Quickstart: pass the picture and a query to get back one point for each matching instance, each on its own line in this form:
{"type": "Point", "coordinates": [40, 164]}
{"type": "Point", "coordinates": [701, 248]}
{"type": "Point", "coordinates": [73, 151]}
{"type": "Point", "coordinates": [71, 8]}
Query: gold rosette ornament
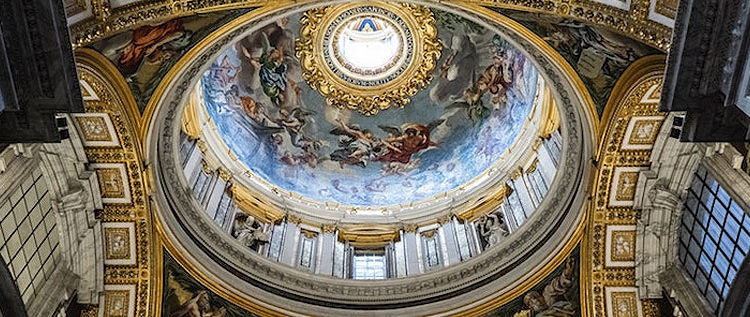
{"type": "Point", "coordinates": [368, 56]}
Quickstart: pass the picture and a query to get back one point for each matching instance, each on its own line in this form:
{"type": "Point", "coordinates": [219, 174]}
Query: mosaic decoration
{"type": "Point", "coordinates": [620, 248]}
{"type": "Point", "coordinates": [113, 182]}
{"type": "Point", "coordinates": [641, 133]}
{"type": "Point", "coordinates": [636, 22]}
{"type": "Point", "coordinates": [146, 54]}
{"type": "Point", "coordinates": [598, 56]}
{"type": "Point", "coordinates": [96, 129]}
{"type": "Point", "coordinates": [119, 243]}
{"type": "Point", "coordinates": [184, 296]}
{"type": "Point", "coordinates": [613, 219]}
{"type": "Point", "coordinates": [118, 301]}
{"type": "Point", "coordinates": [623, 302]}
{"type": "Point", "coordinates": [622, 192]}
{"type": "Point", "coordinates": [483, 90]}
{"type": "Point", "coordinates": [556, 295]}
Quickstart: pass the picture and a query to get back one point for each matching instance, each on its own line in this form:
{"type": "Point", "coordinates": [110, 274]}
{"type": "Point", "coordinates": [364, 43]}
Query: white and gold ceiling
{"type": "Point", "coordinates": [144, 62]}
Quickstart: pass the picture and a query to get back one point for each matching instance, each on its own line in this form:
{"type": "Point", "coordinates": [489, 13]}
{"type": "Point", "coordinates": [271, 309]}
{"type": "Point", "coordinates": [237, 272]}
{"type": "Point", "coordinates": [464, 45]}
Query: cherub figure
{"type": "Point", "coordinates": [357, 146]}
{"type": "Point", "coordinates": [402, 143]}
{"type": "Point", "coordinates": [471, 102]}
{"type": "Point", "coordinates": [293, 122]}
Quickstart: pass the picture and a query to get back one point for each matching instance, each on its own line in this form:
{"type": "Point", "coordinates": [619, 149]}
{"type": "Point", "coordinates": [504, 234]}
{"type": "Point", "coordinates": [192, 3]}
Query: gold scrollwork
{"type": "Point", "coordinates": [369, 100]}
{"type": "Point", "coordinates": [369, 235]}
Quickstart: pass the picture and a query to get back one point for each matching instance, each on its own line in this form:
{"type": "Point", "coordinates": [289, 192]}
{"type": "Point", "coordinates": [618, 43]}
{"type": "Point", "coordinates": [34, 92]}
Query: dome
{"type": "Point", "coordinates": [387, 141]}
{"type": "Point", "coordinates": [463, 122]}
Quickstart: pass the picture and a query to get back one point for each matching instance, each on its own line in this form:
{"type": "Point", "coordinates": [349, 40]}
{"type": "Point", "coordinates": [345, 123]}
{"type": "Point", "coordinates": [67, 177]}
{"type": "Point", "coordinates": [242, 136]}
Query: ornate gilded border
{"type": "Point", "coordinates": [625, 103]}
{"type": "Point", "coordinates": [369, 97]}
{"type": "Point", "coordinates": [114, 98]}
{"type": "Point", "coordinates": [634, 23]}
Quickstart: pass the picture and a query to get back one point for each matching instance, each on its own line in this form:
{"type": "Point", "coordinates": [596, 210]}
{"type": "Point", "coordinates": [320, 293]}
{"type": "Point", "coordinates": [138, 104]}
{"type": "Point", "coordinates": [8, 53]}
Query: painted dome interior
{"type": "Point", "coordinates": [464, 121]}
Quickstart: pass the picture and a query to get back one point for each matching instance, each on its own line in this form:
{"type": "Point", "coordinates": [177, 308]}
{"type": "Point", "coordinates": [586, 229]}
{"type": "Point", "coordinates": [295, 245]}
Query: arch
{"type": "Point", "coordinates": [103, 66]}
{"type": "Point", "coordinates": [132, 273]}
{"type": "Point", "coordinates": [629, 79]}
{"type": "Point", "coordinates": [612, 208]}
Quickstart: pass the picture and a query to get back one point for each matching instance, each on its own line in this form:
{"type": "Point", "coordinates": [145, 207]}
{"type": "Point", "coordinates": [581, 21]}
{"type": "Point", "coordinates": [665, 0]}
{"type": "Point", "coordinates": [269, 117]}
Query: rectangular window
{"type": "Point", "coordinates": [462, 237]}
{"type": "Point", "coordinates": [711, 237]}
{"type": "Point", "coordinates": [307, 248]}
{"type": "Point", "coordinates": [369, 266]}
{"type": "Point", "coordinates": [277, 241]}
{"type": "Point", "coordinates": [431, 251]}
{"type": "Point", "coordinates": [221, 211]}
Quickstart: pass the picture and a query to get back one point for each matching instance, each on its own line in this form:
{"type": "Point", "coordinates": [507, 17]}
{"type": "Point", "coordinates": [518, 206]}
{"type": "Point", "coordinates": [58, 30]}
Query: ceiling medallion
{"type": "Point", "coordinates": [368, 57]}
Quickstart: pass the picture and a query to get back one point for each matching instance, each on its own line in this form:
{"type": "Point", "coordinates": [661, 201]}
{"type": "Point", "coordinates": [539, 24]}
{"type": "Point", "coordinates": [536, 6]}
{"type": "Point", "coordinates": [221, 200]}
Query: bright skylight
{"type": "Point", "coordinates": [369, 43]}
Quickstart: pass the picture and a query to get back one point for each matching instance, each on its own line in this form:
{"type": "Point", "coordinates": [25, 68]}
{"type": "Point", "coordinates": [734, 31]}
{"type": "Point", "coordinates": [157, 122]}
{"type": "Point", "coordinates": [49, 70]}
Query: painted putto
{"type": "Point", "coordinates": [481, 95]}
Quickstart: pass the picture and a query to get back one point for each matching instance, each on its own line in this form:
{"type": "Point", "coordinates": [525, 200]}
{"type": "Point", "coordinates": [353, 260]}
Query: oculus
{"type": "Point", "coordinates": [368, 57]}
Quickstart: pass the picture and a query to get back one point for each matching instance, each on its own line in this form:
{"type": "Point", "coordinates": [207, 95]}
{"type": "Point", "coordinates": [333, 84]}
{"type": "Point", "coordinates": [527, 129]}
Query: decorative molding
{"type": "Point", "coordinates": [118, 300]}
{"type": "Point", "coordinates": [369, 236]}
{"type": "Point", "coordinates": [613, 216]}
{"type": "Point", "coordinates": [620, 246]}
{"type": "Point", "coordinates": [87, 92]}
{"type": "Point", "coordinates": [96, 129]}
{"type": "Point", "coordinates": [119, 243]}
{"type": "Point", "coordinates": [113, 182]}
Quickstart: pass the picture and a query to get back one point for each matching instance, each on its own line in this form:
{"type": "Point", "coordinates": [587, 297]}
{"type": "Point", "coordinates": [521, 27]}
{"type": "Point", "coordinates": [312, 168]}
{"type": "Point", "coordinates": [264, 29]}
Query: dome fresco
{"type": "Point", "coordinates": [471, 112]}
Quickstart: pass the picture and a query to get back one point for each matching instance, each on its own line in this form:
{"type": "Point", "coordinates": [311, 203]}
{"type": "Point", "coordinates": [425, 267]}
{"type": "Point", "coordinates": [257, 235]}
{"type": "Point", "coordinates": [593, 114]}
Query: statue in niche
{"type": "Point", "coordinates": [492, 228]}
{"type": "Point", "coordinates": [553, 301]}
{"type": "Point", "coordinates": [249, 232]}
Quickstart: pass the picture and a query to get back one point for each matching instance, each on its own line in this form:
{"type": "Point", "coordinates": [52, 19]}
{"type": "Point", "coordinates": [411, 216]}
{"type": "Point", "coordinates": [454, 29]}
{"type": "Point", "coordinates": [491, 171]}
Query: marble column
{"type": "Point", "coordinates": [216, 190]}
{"type": "Point", "coordinates": [545, 164]}
{"type": "Point", "coordinates": [449, 244]}
{"type": "Point", "coordinates": [290, 244]}
{"type": "Point", "coordinates": [326, 245]}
